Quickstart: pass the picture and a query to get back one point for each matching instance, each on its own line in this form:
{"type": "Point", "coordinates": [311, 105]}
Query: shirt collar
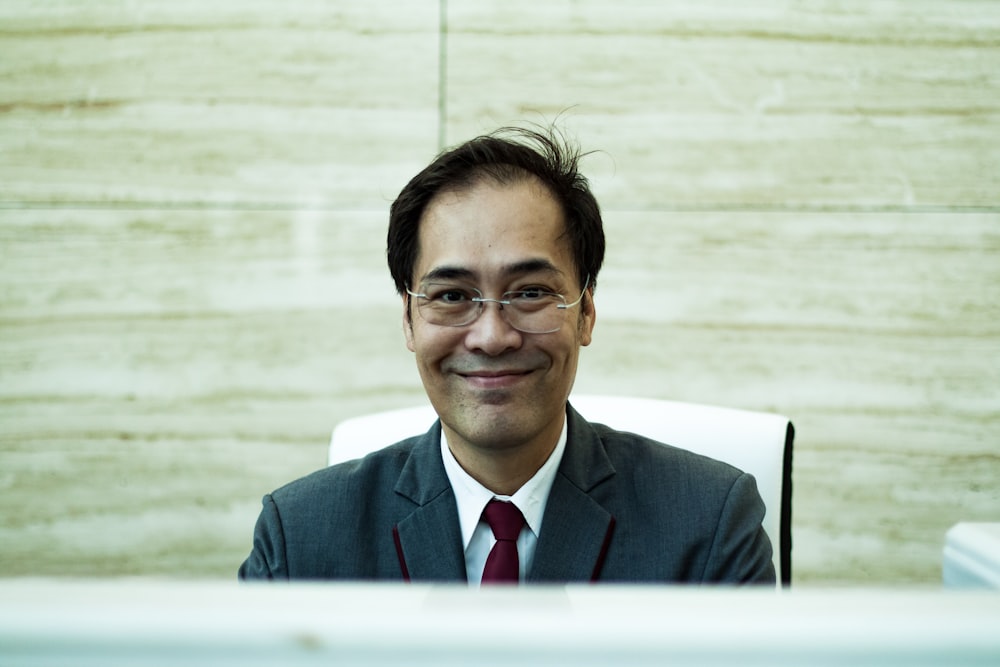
{"type": "Point", "coordinates": [471, 496]}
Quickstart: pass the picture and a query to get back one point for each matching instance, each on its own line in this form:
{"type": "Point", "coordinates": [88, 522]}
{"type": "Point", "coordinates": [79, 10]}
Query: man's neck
{"type": "Point", "coordinates": [502, 470]}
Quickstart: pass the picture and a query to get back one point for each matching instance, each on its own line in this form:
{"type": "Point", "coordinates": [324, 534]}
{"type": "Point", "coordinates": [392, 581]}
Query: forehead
{"type": "Point", "coordinates": [491, 230]}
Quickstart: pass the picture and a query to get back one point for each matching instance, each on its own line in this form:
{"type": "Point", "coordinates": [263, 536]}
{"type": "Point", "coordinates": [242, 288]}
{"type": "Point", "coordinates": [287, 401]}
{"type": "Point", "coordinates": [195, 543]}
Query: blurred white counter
{"type": "Point", "coordinates": [157, 622]}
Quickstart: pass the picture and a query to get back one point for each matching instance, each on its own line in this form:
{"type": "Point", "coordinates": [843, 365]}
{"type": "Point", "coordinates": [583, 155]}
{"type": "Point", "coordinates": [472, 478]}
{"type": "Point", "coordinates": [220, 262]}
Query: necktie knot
{"type": "Point", "coordinates": [504, 519]}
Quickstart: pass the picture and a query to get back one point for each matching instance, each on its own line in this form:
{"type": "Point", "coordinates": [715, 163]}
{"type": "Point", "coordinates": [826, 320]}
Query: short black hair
{"type": "Point", "coordinates": [508, 155]}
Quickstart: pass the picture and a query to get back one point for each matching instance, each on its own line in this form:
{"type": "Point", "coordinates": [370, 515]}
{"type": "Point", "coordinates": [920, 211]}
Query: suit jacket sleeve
{"type": "Point", "coordinates": [267, 559]}
{"type": "Point", "coordinates": [740, 551]}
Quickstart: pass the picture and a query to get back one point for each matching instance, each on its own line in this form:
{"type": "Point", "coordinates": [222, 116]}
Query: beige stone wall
{"type": "Point", "coordinates": [802, 205]}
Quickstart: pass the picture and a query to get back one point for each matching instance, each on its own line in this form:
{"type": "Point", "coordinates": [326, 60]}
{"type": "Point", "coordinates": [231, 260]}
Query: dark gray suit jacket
{"type": "Point", "coordinates": [623, 508]}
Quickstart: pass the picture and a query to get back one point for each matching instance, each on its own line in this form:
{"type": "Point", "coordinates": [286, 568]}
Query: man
{"type": "Point", "coordinates": [495, 250]}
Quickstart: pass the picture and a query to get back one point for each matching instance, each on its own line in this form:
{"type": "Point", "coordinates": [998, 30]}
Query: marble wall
{"type": "Point", "coordinates": [802, 206]}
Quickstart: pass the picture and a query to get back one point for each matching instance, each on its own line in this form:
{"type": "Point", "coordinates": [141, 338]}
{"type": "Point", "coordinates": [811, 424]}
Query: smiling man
{"type": "Point", "coordinates": [495, 250]}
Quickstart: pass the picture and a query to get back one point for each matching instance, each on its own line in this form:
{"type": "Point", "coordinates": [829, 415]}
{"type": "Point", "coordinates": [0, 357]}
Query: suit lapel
{"type": "Point", "coordinates": [576, 529]}
{"type": "Point", "coordinates": [429, 538]}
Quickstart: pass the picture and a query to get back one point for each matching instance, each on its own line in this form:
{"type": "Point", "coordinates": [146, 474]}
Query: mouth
{"type": "Point", "coordinates": [494, 379]}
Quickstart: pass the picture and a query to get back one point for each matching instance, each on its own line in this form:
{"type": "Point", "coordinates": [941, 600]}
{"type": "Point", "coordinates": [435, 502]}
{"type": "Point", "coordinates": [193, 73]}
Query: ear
{"type": "Point", "coordinates": [407, 324]}
{"type": "Point", "coordinates": [588, 317]}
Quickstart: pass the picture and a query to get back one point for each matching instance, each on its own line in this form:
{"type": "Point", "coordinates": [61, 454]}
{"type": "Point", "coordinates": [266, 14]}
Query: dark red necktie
{"type": "Point", "coordinates": [506, 522]}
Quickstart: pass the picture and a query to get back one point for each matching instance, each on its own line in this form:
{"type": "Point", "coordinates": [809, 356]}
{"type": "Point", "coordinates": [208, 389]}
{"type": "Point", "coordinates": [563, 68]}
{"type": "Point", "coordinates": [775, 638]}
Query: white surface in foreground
{"type": "Point", "coordinates": [45, 622]}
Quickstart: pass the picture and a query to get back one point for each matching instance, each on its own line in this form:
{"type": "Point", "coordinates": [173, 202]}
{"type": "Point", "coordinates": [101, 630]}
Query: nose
{"type": "Point", "coordinates": [490, 333]}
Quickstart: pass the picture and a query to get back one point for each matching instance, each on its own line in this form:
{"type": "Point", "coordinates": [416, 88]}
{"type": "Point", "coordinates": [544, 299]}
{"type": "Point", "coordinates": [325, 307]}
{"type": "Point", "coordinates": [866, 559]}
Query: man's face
{"type": "Point", "coordinates": [493, 386]}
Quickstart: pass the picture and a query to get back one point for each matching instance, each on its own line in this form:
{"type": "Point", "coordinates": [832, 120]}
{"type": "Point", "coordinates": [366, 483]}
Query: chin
{"type": "Point", "coordinates": [493, 425]}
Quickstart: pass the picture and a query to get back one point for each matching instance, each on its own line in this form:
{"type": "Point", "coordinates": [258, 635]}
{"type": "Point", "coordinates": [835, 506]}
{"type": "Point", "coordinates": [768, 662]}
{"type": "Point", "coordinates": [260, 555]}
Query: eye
{"type": "Point", "coordinates": [448, 295]}
{"type": "Point", "coordinates": [452, 296]}
{"type": "Point", "coordinates": [531, 293]}
{"type": "Point", "coordinates": [532, 298]}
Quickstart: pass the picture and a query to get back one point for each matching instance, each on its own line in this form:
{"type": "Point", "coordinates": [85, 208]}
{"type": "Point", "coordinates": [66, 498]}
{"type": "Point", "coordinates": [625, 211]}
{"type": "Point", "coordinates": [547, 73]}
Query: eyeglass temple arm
{"type": "Point", "coordinates": [586, 284]}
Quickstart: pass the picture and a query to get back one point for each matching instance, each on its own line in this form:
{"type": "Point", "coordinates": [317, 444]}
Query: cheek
{"type": "Point", "coordinates": [431, 344]}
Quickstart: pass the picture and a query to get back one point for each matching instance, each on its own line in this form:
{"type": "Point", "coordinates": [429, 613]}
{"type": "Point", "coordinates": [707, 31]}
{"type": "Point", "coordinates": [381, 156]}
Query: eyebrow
{"type": "Point", "coordinates": [537, 265]}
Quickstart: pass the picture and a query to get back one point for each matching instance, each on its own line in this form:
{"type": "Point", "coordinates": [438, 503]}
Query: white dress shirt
{"type": "Point", "coordinates": [472, 497]}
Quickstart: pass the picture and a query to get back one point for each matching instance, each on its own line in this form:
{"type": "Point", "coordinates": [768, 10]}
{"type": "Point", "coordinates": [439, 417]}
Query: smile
{"type": "Point", "coordinates": [494, 379]}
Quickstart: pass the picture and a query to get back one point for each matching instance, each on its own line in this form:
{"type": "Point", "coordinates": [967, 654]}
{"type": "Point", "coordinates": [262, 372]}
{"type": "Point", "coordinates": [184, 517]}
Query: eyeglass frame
{"type": "Point", "coordinates": [482, 301]}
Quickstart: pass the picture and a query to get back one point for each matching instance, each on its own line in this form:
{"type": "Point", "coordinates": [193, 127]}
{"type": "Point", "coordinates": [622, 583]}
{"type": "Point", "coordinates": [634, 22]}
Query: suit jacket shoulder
{"type": "Point", "coordinates": [344, 522]}
{"type": "Point", "coordinates": [659, 513]}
